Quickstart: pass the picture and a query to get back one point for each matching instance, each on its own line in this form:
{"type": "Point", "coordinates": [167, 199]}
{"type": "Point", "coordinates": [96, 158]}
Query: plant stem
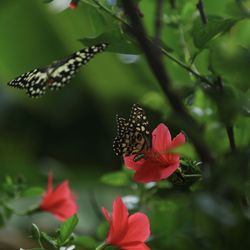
{"type": "Point", "coordinates": [230, 134]}
{"type": "Point", "coordinates": [102, 246]}
{"type": "Point", "coordinates": [200, 8]}
{"type": "Point", "coordinates": [108, 11]}
{"type": "Point", "coordinates": [191, 175]}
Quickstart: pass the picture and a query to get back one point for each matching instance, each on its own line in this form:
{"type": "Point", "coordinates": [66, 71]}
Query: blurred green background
{"type": "Point", "coordinates": [71, 131]}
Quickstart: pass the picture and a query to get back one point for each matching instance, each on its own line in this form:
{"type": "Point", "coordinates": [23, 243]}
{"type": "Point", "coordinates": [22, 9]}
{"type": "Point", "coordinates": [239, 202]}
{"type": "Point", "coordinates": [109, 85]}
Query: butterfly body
{"type": "Point", "coordinates": [57, 74]}
{"type": "Point", "coordinates": [132, 135]}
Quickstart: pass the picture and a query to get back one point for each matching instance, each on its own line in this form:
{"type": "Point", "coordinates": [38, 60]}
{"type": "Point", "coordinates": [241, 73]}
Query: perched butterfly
{"type": "Point", "coordinates": [57, 74]}
{"type": "Point", "coordinates": [132, 135]}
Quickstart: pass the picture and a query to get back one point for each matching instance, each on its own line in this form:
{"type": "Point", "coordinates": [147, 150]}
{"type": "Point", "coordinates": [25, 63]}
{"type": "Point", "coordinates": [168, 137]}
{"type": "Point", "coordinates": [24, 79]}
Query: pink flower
{"type": "Point", "coordinates": [158, 163]}
{"type": "Point", "coordinates": [60, 201]}
{"type": "Point", "coordinates": [73, 5]}
{"type": "Point", "coordinates": [126, 232]}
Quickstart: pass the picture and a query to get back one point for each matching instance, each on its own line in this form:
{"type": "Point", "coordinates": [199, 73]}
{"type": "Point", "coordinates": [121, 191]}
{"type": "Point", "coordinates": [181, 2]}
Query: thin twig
{"type": "Point", "coordinates": [200, 8]}
{"type": "Point", "coordinates": [189, 124]}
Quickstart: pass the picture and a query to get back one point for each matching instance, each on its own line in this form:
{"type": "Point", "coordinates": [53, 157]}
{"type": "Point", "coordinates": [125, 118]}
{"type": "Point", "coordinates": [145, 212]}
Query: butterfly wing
{"type": "Point", "coordinates": [132, 136]}
{"type": "Point", "coordinates": [34, 82]}
{"type": "Point", "coordinates": [62, 71]}
{"type": "Point", "coordinates": [57, 74]}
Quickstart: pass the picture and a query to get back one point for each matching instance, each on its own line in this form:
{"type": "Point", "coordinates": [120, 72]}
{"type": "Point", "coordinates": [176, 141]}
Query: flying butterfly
{"type": "Point", "coordinates": [57, 74]}
{"type": "Point", "coordinates": [133, 135]}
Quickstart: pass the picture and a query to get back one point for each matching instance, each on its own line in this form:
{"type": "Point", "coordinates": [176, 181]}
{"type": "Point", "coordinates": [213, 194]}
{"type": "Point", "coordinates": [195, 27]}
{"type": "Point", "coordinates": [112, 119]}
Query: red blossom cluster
{"type": "Point", "coordinates": [159, 162]}
{"type": "Point", "coordinates": [128, 232]}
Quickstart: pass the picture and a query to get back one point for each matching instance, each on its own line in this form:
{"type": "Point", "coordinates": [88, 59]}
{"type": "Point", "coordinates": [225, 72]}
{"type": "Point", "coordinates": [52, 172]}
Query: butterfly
{"type": "Point", "coordinates": [57, 74]}
{"type": "Point", "coordinates": [133, 135]}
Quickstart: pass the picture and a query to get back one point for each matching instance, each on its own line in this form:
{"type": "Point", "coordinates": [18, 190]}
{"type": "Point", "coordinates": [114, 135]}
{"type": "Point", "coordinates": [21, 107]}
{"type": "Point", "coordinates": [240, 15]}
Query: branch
{"type": "Point", "coordinates": [173, 4]}
{"type": "Point", "coordinates": [158, 19]}
{"type": "Point", "coordinates": [230, 134]}
{"type": "Point", "coordinates": [200, 8]}
{"type": "Point", "coordinates": [150, 50]}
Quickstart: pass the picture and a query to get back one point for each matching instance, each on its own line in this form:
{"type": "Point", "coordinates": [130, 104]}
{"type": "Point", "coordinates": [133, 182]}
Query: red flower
{"type": "Point", "coordinates": [158, 163]}
{"type": "Point", "coordinates": [60, 201]}
{"type": "Point", "coordinates": [126, 232]}
{"type": "Point", "coordinates": [73, 5]}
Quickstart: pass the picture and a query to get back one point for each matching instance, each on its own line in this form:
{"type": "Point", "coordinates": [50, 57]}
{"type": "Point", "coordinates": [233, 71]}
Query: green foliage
{"type": "Point", "coordinates": [118, 178]}
{"type": "Point", "coordinates": [71, 131]}
{"type": "Point", "coordinates": [85, 241]}
{"type": "Point", "coordinates": [67, 228]}
{"type": "Point", "coordinates": [215, 26]}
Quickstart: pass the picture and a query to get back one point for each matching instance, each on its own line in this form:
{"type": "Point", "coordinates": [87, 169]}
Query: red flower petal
{"type": "Point", "coordinates": [119, 221]}
{"type": "Point", "coordinates": [178, 140]}
{"type": "Point", "coordinates": [139, 246]}
{"type": "Point", "coordinates": [73, 5]}
{"type": "Point", "coordinates": [131, 164]}
{"type": "Point", "coordinates": [138, 229]}
{"type": "Point", "coordinates": [161, 138]}
{"type": "Point", "coordinates": [60, 201]}
{"type": "Point", "coordinates": [106, 214]}
{"type": "Point", "coordinates": [149, 171]}
{"type": "Point", "coordinates": [166, 172]}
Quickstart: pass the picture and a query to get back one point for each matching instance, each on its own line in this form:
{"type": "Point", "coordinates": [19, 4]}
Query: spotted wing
{"type": "Point", "coordinates": [132, 136]}
{"type": "Point", "coordinates": [62, 71]}
{"type": "Point", "coordinates": [57, 74]}
{"type": "Point", "coordinates": [34, 82]}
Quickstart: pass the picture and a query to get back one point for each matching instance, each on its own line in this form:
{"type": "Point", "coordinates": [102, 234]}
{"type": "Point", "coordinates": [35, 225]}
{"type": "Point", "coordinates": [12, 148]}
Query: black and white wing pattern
{"type": "Point", "coordinates": [57, 74]}
{"type": "Point", "coordinates": [132, 135]}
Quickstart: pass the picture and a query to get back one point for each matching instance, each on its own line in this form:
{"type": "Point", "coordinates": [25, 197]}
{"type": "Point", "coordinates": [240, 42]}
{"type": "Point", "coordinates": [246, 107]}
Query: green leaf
{"type": "Point", "coordinates": [33, 191]}
{"type": "Point", "coordinates": [67, 228]}
{"type": "Point", "coordinates": [118, 42]}
{"type": "Point", "coordinates": [49, 239]}
{"type": "Point", "coordinates": [102, 230]}
{"type": "Point", "coordinates": [165, 184]}
{"type": "Point", "coordinates": [35, 232]}
{"type": "Point", "coordinates": [119, 178]}
{"type": "Point", "coordinates": [203, 33]}
{"type": "Point", "coordinates": [86, 242]}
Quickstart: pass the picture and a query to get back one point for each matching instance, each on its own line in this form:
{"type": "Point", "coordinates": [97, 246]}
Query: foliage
{"type": "Point", "coordinates": [189, 74]}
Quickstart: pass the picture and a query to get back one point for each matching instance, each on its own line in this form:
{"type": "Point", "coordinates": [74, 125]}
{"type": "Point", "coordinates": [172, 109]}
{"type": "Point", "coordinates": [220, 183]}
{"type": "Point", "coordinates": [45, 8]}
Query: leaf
{"type": "Point", "coordinates": [67, 228]}
{"type": "Point", "coordinates": [49, 239]}
{"type": "Point", "coordinates": [216, 25]}
{"type": "Point", "coordinates": [86, 242]}
{"type": "Point", "coordinates": [35, 232]}
{"type": "Point", "coordinates": [33, 191]}
{"type": "Point", "coordinates": [102, 230]}
{"type": "Point", "coordinates": [119, 178]}
{"type": "Point", "coordinates": [118, 42]}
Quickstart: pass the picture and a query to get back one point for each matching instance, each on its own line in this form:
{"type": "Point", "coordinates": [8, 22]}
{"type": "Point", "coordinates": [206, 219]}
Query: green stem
{"type": "Point", "coordinates": [102, 246]}
{"type": "Point", "coordinates": [165, 52]}
{"type": "Point", "coordinates": [191, 175]}
{"type": "Point", "coordinates": [108, 11]}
